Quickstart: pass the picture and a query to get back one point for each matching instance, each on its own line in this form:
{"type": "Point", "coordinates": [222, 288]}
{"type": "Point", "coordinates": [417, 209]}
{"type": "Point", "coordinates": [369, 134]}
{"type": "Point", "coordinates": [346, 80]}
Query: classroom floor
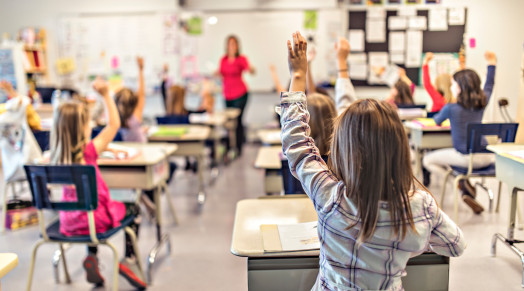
{"type": "Point", "coordinates": [201, 260]}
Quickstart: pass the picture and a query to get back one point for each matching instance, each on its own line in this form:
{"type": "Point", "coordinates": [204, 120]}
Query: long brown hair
{"type": "Point", "coordinates": [443, 84]}
{"type": "Point", "coordinates": [322, 113]}
{"type": "Point", "coordinates": [126, 101]}
{"type": "Point", "coordinates": [471, 96]}
{"type": "Point", "coordinates": [68, 140]}
{"type": "Point", "coordinates": [370, 154]}
{"type": "Point", "coordinates": [404, 95]}
{"type": "Point", "coordinates": [175, 103]}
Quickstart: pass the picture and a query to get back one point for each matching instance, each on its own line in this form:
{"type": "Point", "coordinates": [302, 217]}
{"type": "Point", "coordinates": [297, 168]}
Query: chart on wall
{"type": "Point", "coordinates": [384, 39]}
{"type": "Point", "coordinates": [107, 45]}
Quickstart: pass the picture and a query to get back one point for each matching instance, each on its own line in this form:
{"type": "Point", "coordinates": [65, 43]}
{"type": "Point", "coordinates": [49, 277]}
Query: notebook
{"type": "Point", "coordinates": [430, 122]}
{"type": "Point", "coordinates": [290, 237]}
{"type": "Point", "coordinates": [118, 152]}
{"type": "Point", "coordinates": [169, 131]}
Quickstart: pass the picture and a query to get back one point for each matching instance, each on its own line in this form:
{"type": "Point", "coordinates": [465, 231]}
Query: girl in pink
{"type": "Point", "coordinates": [232, 65]}
{"type": "Point", "coordinates": [70, 144]}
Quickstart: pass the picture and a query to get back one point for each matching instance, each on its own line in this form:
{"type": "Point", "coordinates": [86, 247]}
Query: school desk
{"type": "Point", "coordinates": [147, 171]}
{"type": "Point", "coordinates": [298, 270]}
{"type": "Point", "coordinates": [270, 136]}
{"type": "Point", "coordinates": [510, 170]}
{"type": "Point", "coordinates": [191, 143]}
{"type": "Point", "coordinates": [427, 138]}
{"type": "Point", "coordinates": [8, 261]}
{"type": "Point", "coordinates": [268, 159]}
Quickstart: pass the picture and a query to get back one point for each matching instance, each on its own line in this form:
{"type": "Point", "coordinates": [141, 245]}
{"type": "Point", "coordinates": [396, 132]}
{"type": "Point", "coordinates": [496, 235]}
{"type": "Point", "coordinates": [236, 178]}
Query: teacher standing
{"type": "Point", "coordinates": [235, 91]}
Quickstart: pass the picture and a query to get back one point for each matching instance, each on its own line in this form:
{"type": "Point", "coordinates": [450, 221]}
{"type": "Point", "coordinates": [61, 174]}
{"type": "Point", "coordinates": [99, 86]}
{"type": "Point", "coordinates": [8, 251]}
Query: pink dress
{"type": "Point", "coordinates": [108, 214]}
{"type": "Point", "coordinates": [233, 85]}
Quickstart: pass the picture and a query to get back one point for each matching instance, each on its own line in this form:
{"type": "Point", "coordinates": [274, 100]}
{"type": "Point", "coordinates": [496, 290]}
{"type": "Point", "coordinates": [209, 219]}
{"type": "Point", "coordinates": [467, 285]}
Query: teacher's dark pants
{"type": "Point", "coordinates": [239, 103]}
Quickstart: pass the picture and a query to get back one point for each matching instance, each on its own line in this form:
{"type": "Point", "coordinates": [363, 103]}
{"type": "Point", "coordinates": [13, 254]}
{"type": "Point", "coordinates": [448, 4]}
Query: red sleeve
{"type": "Point", "coordinates": [438, 100]}
{"type": "Point", "coordinates": [244, 63]}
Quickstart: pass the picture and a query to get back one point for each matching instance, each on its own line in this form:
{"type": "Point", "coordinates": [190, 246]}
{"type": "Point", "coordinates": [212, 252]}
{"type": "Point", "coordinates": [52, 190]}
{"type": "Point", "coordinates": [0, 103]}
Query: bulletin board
{"type": "Point", "coordinates": [448, 41]}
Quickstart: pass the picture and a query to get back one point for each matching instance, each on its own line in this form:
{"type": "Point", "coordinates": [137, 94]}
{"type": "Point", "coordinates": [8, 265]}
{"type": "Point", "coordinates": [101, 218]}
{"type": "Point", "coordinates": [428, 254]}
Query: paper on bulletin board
{"type": "Point", "coordinates": [438, 19]}
{"type": "Point", "coordinates": [310, 19]}
{"type": "Point", "coordinates": [65, 66]}
{"type": "Point", "coordinates": [378, 61]}
{"type": "Point", "coordinates": [194, 25]}
{"type": "Point", "coordinates": [457, 16]}
{"type": "Point", "coordinates": [356, 40]}
{"type": "Point", "coordinates": [417, 22]}
{"type": "Point", "coordinates": [376, 13]}
{"type": "Point", "coordinates": [407, 11]}
{"type": "Point", "coordinates": [358, 67]}
{"type": "Point", "coordinates": [376, 30]}
{"type": "Point", "coordinates": [414, 48]}
{"type": "Point", "coordinates": [397, 58]}
{"type": "Point", "coordinates": [397, 41]}
{"type": "Point", "coordinates": [397, 23]}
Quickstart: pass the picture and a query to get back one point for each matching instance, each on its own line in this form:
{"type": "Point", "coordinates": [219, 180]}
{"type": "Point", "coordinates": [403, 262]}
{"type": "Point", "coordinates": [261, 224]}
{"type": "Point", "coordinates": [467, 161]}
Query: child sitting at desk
{"type": "Point", "coordinates": [373, 215]}
{"type": "Point", "coordinates": [402, 91]}
{"type": "Point", "coordinates": [70, 144]}
{"type": "Point", "coordinates": [471, 102]}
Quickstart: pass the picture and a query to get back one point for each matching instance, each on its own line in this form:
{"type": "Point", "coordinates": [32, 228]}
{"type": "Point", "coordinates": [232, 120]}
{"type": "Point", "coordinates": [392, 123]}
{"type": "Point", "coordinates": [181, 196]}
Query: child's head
{"type": "Point", "coordinates": [70, 133]}
{"type": "Point", "coordinates": [370, 154]}
{"type": "Point", "coordinates": [126, 101]}
{"type": "Point", "coordinates": [177, 96]}
{"type": "Point", "coordinates": [402, 93]}
{"type": "Point", "coordinates": [443, 84]}
{"type": "Point", "coordinates": [322, 111]}
{"type": "Point", "coordinates": [467, 91]}
{"type": "Point", "coordinates": [232, 46]}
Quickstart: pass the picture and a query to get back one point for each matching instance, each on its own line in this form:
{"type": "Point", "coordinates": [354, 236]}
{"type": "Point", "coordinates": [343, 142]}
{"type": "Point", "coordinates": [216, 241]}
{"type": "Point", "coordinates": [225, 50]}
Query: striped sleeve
{"type": "Point", "coordinates": [446, 237]}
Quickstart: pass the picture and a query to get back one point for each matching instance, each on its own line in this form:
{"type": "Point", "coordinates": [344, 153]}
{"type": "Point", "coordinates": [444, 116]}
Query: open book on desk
{"type": "Point", "coordinates": [118, 152]}
{"type": "Point", "coordinates": [430, 123]}
{"type": "Point", "coordinates": [290, 237]}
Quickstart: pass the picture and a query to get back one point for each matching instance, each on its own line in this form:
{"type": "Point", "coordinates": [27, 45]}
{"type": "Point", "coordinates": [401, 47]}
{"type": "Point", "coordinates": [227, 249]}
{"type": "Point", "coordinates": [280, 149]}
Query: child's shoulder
{"type": "Point", "coordinates": [422, 199]}
{"type": "Point", "coordinates": [90, 154]}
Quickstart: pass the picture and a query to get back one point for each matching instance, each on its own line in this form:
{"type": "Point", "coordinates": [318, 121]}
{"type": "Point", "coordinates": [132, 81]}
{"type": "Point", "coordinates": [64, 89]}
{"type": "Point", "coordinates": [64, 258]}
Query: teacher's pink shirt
{"type": "Point", "coordinates": [232, 83]}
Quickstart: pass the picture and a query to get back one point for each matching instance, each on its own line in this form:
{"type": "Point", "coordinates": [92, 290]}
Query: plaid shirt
{"type": "Point", "coordinates": [380, 262]}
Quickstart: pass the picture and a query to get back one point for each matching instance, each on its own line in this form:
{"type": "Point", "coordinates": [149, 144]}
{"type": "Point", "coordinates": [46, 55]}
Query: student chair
{"type": "Point", "coordinates": [42, 138]}
{"type": "Point", "coordinates": [411, 106]}
{"type": "Point", "coordinates": [291, 184]}
{"type": "Point", "coordinates": [173, 119]}
{"type": "Point", "coordinates": [476, 144]}
{"type": "Point", "coordinates": [96, 130]}
{"type": "Point", "coordinates": [83, 177]}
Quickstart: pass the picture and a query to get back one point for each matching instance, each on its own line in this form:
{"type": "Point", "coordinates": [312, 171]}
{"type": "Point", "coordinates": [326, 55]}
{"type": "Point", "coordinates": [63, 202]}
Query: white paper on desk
{"type": "Point", "coordinates": [377, 60]}
{"type": "Point", "coordinates": [299, 236]}
{"type": "Point", "coordinates": [356, 40]}
{"type": "Point", "coordinates": [407, 11]}
{"type": "Point", "coordinates": [417, 22]}
{"type": "Point", "coordinates": [376, 30]}
{"type": "Point", "coordinates": [122, 152]}
{"type": "Point", "coordinates": [457, 16]}
{"type": "Point", "coordinates": [397, 23]}
{"type": "Point", "coordinates": [376, 12]}
{"type": "Point", "coordinates": [438, 19]}
{"type": "Point", "coordinates": [519, 154]}
{"type": "Point", "coordinates": [397, 58]}
{"type": "Point", "coordinates": [413, 48]}
{"type": "Point", "coordinates": [397, 41]}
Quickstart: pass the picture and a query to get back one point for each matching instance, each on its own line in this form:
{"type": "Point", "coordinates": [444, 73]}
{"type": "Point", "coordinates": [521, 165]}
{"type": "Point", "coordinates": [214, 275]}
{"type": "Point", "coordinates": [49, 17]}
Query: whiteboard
{"type": "Point", "coordinates": [105, 44]}
{"type": "Point", "coordinates": [263, 37]}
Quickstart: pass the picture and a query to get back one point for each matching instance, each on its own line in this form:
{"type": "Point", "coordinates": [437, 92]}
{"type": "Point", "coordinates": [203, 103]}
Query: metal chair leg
{"type": "Point", "coordinates": [444, 187]}
{"type": "Point", "coordinates": [56, 260]}
{"type": "Point", "coordinates": [115, 265]}
{"type": "Point", "coordinates": [201, 196]}
{"type": "Point", "coordinates": [4, 208]}
{"type": "Point", "coordinates": [170, 203]}
{"type": "Point", "coordinates": [132, 235]}
{"type": "Point", "coordinates": [455, 190]}
{"type": "Point", "coordinates": [64, 264]}
{"type": "Point", "coordinates": [488, 191]}
{"type": "Point", "coordinates": [32, 265]}
{"type": "Point", "coordinates": [498, 198]}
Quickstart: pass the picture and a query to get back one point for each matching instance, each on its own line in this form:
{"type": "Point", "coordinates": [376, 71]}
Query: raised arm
{"type": "Point", "coordinates": [139, 110]}
{"type": "Point", "coordinates": [276, 81]}
{"type": "Point", "coordinates": [344, 90]}
{"type": "Point", "coordinates": [113, 119]}
{"type": "Point", "coordinates": [304, 158]}
{"type": "Point", "coordinates": [446, 237]}
{"type": "Point", "coordinates": [491, 58]}
{"type": "Point", "coordinates": [436, 97]}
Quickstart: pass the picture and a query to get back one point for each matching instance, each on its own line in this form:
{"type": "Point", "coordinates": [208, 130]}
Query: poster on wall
{"type": "Point", "coordinates": [310, 19]}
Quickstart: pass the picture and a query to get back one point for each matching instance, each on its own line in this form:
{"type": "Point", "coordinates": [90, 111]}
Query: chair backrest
{"type": "Point", "coordinates": [83, 177]}
{"type": "Point", "coordinates": [291, 184]}
{"type": "Point", "coordinates": [173, 119]}
{"type": "Point", "coordinates": [411, 106]}
{"type": "Point", "coordinates": [96, 130]}
{"type": "Point", "coordinates": [476, 143]}
{"type": "Point", "coordinates": [42, 138]}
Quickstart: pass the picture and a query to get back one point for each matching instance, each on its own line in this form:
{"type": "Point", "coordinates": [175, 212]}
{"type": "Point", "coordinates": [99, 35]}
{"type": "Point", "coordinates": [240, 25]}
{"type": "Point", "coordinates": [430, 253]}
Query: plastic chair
{"type": "Point", "coordinates": [95, 131]}
{"type": "Point", "coordinates": [476, 144]}
{"type": "Point", "coordinates": [83, 178]}
{"type": "Point", "coordinates": [42, 138]}
{"type": "Point", "coordinates": [291, 184]}
{"type": "Point", "coordinates": [411, 106]}
{"type": "Point", "coordinates": [173, 119]}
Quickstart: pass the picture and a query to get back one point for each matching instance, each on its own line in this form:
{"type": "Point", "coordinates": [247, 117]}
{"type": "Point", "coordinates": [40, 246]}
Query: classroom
{"type": "Point", "coordinates": [261, 145]}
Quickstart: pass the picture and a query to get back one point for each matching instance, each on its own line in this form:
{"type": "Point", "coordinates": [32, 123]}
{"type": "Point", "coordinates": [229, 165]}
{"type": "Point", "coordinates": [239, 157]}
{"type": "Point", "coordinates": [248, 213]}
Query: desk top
{"type": "Point", "coordinates": [150, 154]}
{"type": "Point", "coordinates": [194, 133]}
{"type": "Point", "coordinates": [251, 213]}
{"type": "Point", "coordinates": [505, 150]}
{"type": "Point", "coordinates": [270, 136]}
{"type": "Point", "coordinates": [269, 158]}
{"type": "Point", "coordinates": [8, 261]}
{"type": "Point", "coordinates": [417, 126]}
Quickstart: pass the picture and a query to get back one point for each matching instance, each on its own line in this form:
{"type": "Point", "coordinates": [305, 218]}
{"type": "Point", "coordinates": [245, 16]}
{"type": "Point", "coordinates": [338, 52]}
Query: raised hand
{"type": "Point", "coordinates": [342, 48]}
{"type": "Point", "coordinates": [428, 58]}
{"type": "Point", "coordinates": [7, 88]}
{"type": "Point", "coordinates": [297, 61]}
{"type": "Point", "coordinates": [490, 57]}
{"type": "Point", "coordinates": [140, 63]}
{"type": "Point", "coordinates": [100, 85]}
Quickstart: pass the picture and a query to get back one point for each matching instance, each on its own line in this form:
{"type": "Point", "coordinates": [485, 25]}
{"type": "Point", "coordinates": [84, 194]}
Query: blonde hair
{"type": "Point", "coordinates": [126, 101]}
{"type": "Point", "coordinates": [68, 140]}
{"type": "Point", "coordinates": [443, 84]}
{"type": "Point", "coordinates": [176, 101]}
{"type": "Point", "coordinates": [370, 154]}
{"type": "Point", "coordinates": [322, 113]}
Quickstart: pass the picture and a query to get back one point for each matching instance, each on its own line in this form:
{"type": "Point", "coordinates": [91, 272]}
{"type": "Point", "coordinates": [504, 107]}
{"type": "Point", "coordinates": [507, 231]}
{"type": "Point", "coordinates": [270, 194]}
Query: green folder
{"type": "Point", "coordinates": [171, 131]}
